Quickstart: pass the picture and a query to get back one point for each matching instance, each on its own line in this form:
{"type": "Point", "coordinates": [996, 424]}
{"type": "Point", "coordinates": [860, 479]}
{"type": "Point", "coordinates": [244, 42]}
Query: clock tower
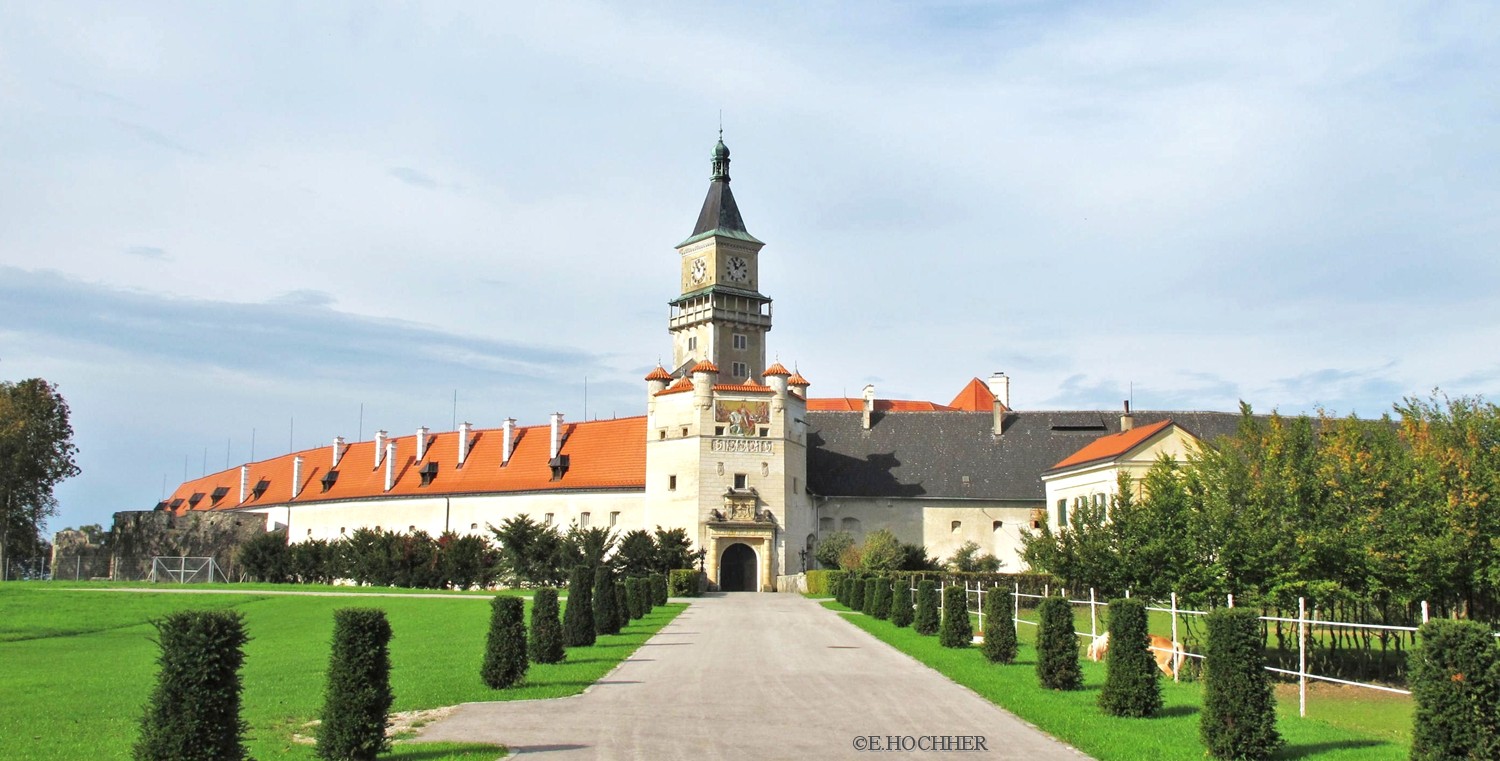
{"type": "Point", "coordinates": [721, 316]}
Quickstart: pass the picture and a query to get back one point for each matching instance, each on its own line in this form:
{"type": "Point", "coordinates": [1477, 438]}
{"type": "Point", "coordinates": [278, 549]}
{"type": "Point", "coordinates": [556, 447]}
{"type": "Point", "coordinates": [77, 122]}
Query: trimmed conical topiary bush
{"type": "Point", "coordinates": [545, 641]}
{"type": "Point", "coordinates": [956, 631]}
{"type": "Point", "coordinates": [194, 712]}
{"type": "Point", "coordinates": [1057, 646]}
{"type": "Point", "coordinates": [1130, 686]}
{"type": "Point", "coordinates": [1239, 709]}
{"type": "Point", "coordinates": [999, 628]}
{"type": "Point", "coordinates": [659, 588]}
{"type": "Point", "coordinates": [622, 603]}
{"type": "Point", "coordinates": [857, 596]}
{"type": "Point", "coordinates": [901, 612]}
{"type": "Point", "coordinates": [925, 619]}
{"type": "Point", "coordinates": [578, 616]}
{"type": "Point", "coordinates": [872, 597]}
{"type": "Point", "coordinates": [1455, 681]}
{"type": "Point", "coordinates": [882, 602]}
{"type": "Point", "coordinates": [605, 619]}
{"type": "Point", "coordinates": [505, 660]}
{"type": "Point", "coordinates": [357, 704]}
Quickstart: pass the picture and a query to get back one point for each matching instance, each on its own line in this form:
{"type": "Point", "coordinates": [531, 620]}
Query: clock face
{"type": "Point", "coordinates": [700, 270]}
{"type": "Point", "coordinates": [738, 270]}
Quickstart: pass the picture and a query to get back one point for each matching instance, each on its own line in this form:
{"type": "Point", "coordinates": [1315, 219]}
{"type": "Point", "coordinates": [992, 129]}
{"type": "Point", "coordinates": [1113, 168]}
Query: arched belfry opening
{"type": "Point", "coordinates": [738, 571]}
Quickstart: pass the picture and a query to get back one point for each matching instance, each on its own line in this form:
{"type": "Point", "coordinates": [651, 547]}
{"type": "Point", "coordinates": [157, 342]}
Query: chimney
{"type": "Point", "coordinates": [869, 404]}
{"type": "Point", "coordinates": [998, 415]}
{"type": "Point", "coordinates": [390, 464]}
{"type": "Point", "coordinates": [296, 476]}
{"type": "Point", "coordinates": [244, 482]}
{"type": "Point", "coordinates": [1127, 420]}
{"type": "Point", "coordinates": [379, 448]}
{"type": "Point", "coordinates": [463, 442]}
{"type": "Point", "coordinates": [338, 451]}
{"type": "Point", "coordinates": [509, 432]}
{"type": "Point", "coordinates": [556, 435]}
{"type": "Point", "coordinates": [999, 384]}
{"type": "Point", "coordinates": [421, 443]}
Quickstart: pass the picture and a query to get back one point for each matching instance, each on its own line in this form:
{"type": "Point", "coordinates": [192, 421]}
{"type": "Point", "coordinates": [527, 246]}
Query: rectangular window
{"type": "Point", "coordinates": [547, 519]}
{"type": "Point", "coordinates": [684, 432]}
{"type": "Point", "coordinates": [741, 481]}
{"type": "Point", "coordinates": [741, 342]}
{"type": "Point", "coordinates": [1062, 512]}
{"type": "Point", "coordinates": [741, 370]}
{"type": "Point", "coordinates": [614, 518]}
{"type": "Point", "coordinates": [718, 430]}
{"type": "Point", "coordinates": [583, 520]}
{"type": "Point", "coordinates": [671, 483]}
{"type": "Point", "coordinates": [663, 435]}
{"type": "Point", "coordinates": [796, 489]}
{"type": "Point", "coordinates": [692, 343]}
{"type": "Point", "coordinates": [764, 432]}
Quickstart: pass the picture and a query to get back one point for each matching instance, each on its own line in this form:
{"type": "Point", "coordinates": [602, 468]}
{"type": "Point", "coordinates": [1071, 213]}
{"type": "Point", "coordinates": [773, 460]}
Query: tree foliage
{"type": "Point", "coordinates": [925, 619]}
{"type": "Point", "coordinates": [999, 629]}
{"type": "Point", "coordinates": [357, 704]}
{"type": "Point", "coordinates": [530, 552]}
{"type": "Point", "coordinates": [636, 555]}
{"type": "Point", "coordinates": [1130, 685]}
{"type": "Point", "coordinates": [956, 630]}
{"type": "Point", "coordinates": [545, 640]}
{"type": "Point", "coordinates": [1383, 513]}
{"type": "Point", "coordinates": [1057, 646]}
{"type": "Point", "coordinates": [505, 657]}
{"type": "Point", "coordinates": [830, 550]}
{"type": "Point", "coordinates": [578, 616]}
{"type": "Point", "coordinates": [36, 454]}
{"type": "Point", "coordinates": [1239, 709]}
{"type": "Point", "coordinates": [1456, 686]}
{"type": "Point", "coordinates": [968, 559]}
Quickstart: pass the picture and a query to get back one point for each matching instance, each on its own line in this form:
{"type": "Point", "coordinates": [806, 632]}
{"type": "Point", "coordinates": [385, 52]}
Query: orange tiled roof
{"type": "Point", "coordinates": [682, 384]}
{"type": "Point", "coordinates": [754, 388]}
{"type": "Point", "coordinates": [975, 397]}
{"type": "Point", "coordinates": [603, 454]}
{"type": "Point", "coordinates": [775, 369]}
{"type": "Point", "coordinates": [660, 373]}
{"type": "Point", "coordinates": [705, 367]}
{"type": "Point", "coordinates": [1111, 446]}
{"type": "Point", "coordinates": [798, 380]}
{"type": "Point", "coordinates": [837, 404]}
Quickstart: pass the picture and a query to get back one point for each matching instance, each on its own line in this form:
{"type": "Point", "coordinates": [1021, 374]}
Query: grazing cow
{"type": "Point", "coordinates": [1169, 655]}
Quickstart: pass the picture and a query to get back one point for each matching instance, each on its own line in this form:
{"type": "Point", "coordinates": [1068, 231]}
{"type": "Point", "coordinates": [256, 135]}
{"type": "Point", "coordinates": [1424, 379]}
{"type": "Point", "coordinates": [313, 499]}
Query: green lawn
{"type": "Point", "coordinates": [76, 667]}
{"type": "Point", "coordinates": [1075, 718]}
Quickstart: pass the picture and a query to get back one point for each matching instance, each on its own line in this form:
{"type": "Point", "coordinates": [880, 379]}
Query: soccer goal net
{"type": "Point", "coordinates": [185, 570]}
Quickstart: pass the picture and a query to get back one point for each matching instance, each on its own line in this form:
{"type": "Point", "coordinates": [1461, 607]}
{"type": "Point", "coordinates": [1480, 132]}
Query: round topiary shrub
{"type": "Point", "coordinates": [684, 582]}
{"type": "Point", "coordinates": [925, 619]}
{"type": "Point", "coordinates": [1057, 646]}
{"type": "Point", "coordinates": [956, 631]}
{"type": "Point", "coordinates": [1239, 711]}
{"type": "Point", "coordinates": [578, 616]}
{"type": "Point", "coordinates": [901, 613]}
{"type": "Point", "coordinates": [545, 641]}
{"type": "Point", "coordinates": [857, 595]}
{"type": "Point", "coordinates": [193, 714]}
{"type": "Point", "coordinates": [505, 661]}
{"type": "Point", "coordinates": [605, 619]}
{"type": "Point", "coordinates": [1130, 685]}
{"type": "Point", "coordinates": [999, 628]}
{"type": "Point", "coordinates": [1455, 681]}
{"type": "Point", "coordinates": [357, 703]}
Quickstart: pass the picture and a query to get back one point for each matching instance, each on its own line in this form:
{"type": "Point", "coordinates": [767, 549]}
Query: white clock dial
{"type": "Point", "coordinates": [738, 270]}
{"type": "Point", "coordinates": [700, 270]}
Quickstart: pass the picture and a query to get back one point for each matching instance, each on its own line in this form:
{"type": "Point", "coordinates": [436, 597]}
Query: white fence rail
{"type": "Point", "coordinates": [1303, 622]}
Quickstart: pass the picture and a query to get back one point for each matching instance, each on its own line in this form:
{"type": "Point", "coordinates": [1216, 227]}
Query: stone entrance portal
{"type": "Point", "coordinates": [737, 569]}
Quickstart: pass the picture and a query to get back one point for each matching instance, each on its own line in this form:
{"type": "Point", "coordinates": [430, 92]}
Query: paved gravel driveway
{"type": "Point", "coordinates": [755, 676]}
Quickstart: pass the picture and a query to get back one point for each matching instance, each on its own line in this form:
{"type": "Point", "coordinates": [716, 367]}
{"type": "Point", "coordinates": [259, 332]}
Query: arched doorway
{"type": "Point", "coordinates": [737, 571]}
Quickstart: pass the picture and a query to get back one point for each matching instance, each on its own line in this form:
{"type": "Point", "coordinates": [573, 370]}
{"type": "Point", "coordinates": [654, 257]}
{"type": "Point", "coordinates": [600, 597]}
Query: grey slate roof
{"type": "Point", "coordinates": [720, 216]}
{"type": "Point", "coordinates": [927, 454]}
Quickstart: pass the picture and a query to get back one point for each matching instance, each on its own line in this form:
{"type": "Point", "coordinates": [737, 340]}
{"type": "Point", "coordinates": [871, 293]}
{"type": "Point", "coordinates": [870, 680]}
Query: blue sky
{"type": "Point", "coordinates": [224, 218]}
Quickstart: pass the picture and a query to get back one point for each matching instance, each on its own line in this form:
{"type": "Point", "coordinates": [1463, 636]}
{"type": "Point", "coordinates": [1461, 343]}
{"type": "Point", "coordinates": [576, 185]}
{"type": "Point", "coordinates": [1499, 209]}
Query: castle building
{"type": "Point", "coordinates": [732, 450]}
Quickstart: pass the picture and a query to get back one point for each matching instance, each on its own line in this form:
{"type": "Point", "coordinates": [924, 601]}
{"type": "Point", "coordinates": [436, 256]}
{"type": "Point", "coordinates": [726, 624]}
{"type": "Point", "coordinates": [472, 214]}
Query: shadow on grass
{"type": "Point", "coordinates": [1313, 749]}
{"type": "Point", "coordinates": [1167, 713]}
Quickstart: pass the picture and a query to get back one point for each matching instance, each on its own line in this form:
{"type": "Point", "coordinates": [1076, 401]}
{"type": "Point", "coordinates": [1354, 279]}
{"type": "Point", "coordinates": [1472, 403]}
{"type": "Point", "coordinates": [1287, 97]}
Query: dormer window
{"type": "Point", "coordinates": [195, 499]}
{"type": "Point", "coordinates": [218, 494]}
{"type": "Point", "coordinates": [260, 488]}
{"type": "Point", "coordinates": [176, 503]}
{"type": "Point", "coordinates": [329, 479]}
{"type": "Point", "coordinates": [559, 466]}
{"type": "Point", "coordinates": [428, 472]}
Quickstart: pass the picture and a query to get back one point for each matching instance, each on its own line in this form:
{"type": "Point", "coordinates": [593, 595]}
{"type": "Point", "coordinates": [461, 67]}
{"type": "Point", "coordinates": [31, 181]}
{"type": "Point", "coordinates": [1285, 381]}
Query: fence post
{"type": "Point", "coordinates": [1231, 599]}
{"type": "Point", "coordinates": [1093, 616]}
{"type": "Point", "coordinates": [1016, 603]}
{"type": "Point", "coordinates": [1174, 618]}
{"type": "Point", "coordinates": [979, 596]}
{"type": "Point", "coordinates": [1424, 611]}
{"type": "Point", "coordinates": [78, 568]}
{"type": "Point", "coordinates": [1302, 657]}
{"type": "Point", "coordinates": [1047, 589]}
{"type": "Point", "coordinates": [942, 585]}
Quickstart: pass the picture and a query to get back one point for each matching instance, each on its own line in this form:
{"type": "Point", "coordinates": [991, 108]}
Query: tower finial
{"type": "Point", "coordinates": [721, 159]}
